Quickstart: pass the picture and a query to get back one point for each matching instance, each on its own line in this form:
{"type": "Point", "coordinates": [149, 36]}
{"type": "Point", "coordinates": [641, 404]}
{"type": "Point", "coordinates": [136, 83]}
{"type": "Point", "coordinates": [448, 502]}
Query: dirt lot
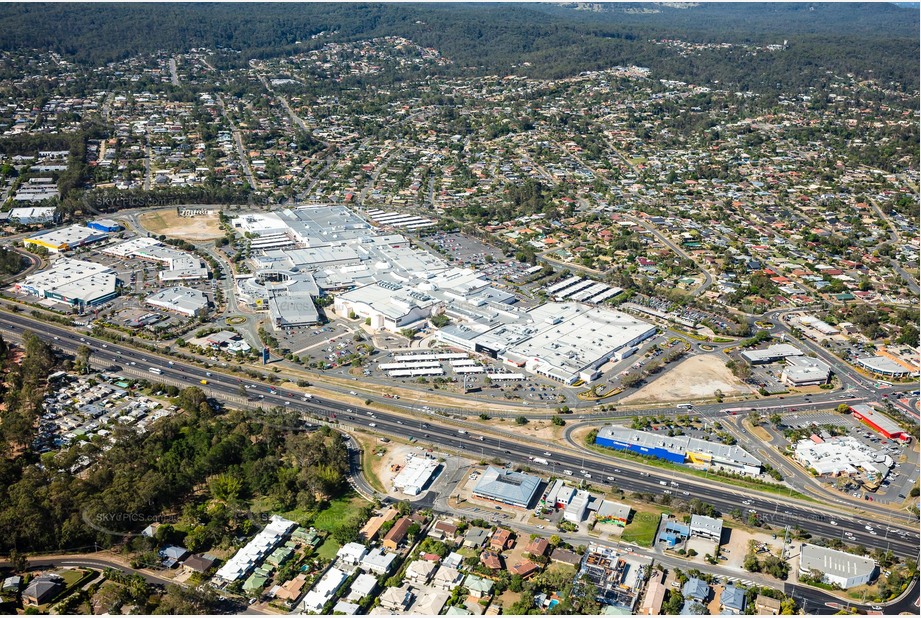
{"type": "Point", "coordinates": [543, 430]}
{"type": "Point", "coordinates": [167, 221]}
{"type": "Point", "coordinates": [695, 378]}
{"type": "Point", "coordinates": [392, 462]}
{"type": "Point", "coordinates": [737, 546]}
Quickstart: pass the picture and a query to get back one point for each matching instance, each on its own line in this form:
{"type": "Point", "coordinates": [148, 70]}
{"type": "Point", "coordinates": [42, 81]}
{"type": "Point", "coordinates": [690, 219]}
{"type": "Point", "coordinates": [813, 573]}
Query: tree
{"type": "Point", "coordinates": [775, 419]}
{"type": "Point", "coordinates": [83, 358]}
{"type": "Point", "coordinates": [225, 487]}
{"type": "Point", "coordinates": [19, 562]}
{"type": "Point", "coordinates": [521, 420]}
{"type": "Point", "coordinates": [558, 421]}
{"type": "Point", "coordinates": [751, 563]}
{"type": "Point", "coordinates": [631, 379]}
{"type": "Point", "coordinates": [674, 601]}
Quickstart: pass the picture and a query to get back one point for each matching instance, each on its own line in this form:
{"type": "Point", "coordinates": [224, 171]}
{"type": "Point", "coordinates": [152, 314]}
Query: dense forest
{"type": "Point", "coordinates": [869, 39]}
{"type": "Point", "coordinates": [240, 455]}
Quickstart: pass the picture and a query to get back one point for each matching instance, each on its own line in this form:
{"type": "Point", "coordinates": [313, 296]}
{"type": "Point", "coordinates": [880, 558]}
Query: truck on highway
{"type": "Point", "coordinates": [541, 460]}
{"type": "Point", "coordinates": [155, 370]}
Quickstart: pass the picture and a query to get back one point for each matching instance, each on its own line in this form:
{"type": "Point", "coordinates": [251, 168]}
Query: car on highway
{"type": "Point", "coordinates": [372, 424]}
{"type": "Point", "coordinates": [547, 453]}
{"type": "Point", "coordinates": [833, 522]}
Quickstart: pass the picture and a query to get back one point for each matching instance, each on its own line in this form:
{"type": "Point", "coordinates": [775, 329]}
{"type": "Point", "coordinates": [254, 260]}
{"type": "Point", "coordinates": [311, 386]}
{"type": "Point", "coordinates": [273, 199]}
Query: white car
{"type": "Point", "coordinates": [833, 523]}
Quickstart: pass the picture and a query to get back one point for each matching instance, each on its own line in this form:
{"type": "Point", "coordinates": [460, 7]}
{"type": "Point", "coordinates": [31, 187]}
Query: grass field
{"type": "Point", "coordinates": [642, 528]}
{"type": "Point", "coordinates": [328, 549]}
{"type": "Point", "coordinates": [338, 512]}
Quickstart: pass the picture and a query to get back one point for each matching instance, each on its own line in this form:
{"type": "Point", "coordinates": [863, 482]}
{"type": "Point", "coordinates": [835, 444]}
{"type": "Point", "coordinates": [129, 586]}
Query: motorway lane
{"type": "Point", "coordinates": [774, 511]}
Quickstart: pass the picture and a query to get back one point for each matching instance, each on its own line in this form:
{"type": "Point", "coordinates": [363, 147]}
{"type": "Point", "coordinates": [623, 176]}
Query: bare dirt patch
{"type": "Point", "coordinates": [167, 221]}
{"type": "Point", "coordinates": [698, 377]}
{"type": "Point", "coordinates": [392, 462]}
{"type": "Point", "coordinates": [540, 429]}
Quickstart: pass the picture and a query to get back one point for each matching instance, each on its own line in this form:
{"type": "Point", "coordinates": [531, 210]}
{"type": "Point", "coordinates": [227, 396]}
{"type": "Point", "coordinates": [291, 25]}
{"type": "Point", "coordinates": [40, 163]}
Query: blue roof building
{"type": "Point", "coordinates": [697, 589]}
{"type": "Point", "coordinates": [732, 599]}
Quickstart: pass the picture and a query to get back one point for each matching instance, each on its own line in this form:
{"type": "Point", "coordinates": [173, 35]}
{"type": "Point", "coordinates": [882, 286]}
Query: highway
{"type": "Point", "coordinates": [775, 511]}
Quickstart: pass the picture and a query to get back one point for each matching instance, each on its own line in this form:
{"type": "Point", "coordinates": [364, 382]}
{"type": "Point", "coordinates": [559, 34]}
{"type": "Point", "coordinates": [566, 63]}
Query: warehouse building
{"type": "Point", "coordinates": [575, 510]}
{"type": "Point", "coordinates": [507, 487]}
{"type": "Point", "coordinates": [706, 527]}
{"type": "Point", "coordinates": [77, 283]}
{"type": "Point", "coordinates": [839, 568]}
{"type": "Point", "coordinates": [184, 301]}
{"type": "Point", "coordinates": [613, 513]}
{"type": "Point", "coordinates": [65, 238]}
{"type": "Point", "coordinates": [417, 473]}
{"type": "Point", "coordinates": [880, 423]}
{"type": "Point", "coordinates": [105, 225]}
{"type": "Point", "coordinates": [771, 354]}
{"type": "Point", "coordinates": [805, 371]}
{"type": "Point", "coordinates": [34, 215]}
{"type": "Point", "coordinates": [679, 449]}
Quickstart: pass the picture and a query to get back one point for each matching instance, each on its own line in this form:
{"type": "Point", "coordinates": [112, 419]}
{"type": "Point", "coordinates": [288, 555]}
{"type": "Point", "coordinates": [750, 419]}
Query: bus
{"type": "Point", "coordinates": [155, 370]}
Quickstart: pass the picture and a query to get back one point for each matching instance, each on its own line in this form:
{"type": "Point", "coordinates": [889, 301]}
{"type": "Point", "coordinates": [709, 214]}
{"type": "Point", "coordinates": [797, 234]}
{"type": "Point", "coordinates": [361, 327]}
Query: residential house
{"type": "Point", "coordinates": [430, 603]}
{"type": "Point", "coordinates": [447, 578]}
{"type": "Point", "coordinates": [419, 572]}
{"type": "Point", "coordinates": [537, 547]}
{"type": "Point", "coordinates": [444, 531]}
{"type": "Point", "coordinates": [501, 540]}
{"type": "Point", "coordinates": [199, 563]}
{"type": "Point", "coordinates": [479, 587]}
{"type": "Point", "coordinates": [732, 600]}
{"type": "Point", "coordinates": [564, 556]}
{"type": "Point", "coordinates": [324, 590]}
{"type": "Point", "coordinates": [345, 608]}
{"type": "Point", "coordinates": [351, 553]}
{"type": "Point", "coordinates": [696, 589]}
{"type": "Point", "coordinates": [11, 584]}
{"type": "Point", "coordinates": [766, 606]}
{"type": "Point", "coordinates": [453, 561]}
{"type": "Point", "coordinates": [491, 560]}
{"type": "Point", "coordinates": [173, 555]}
{"type": "Point", "coordinates": [525, 568]}
{"type": "Point", "coordinates": [371, 529]}
{"type": "Point", "coordinates": [151, 530]}
{"type": "Point", "coordinates": [42, 589]}
{"type": "Point", "coordinates": [291, 589]}
{"type": "Point", "coordinates": [476, 537]}
{"type": "Point", "coordinates": [397, 534]}
{"type": "Point", "coordinates": [378, 561]}
{"type": "Point", "coordinates": [655, 596]}
{"type": "Point", "coordinates": [363, 585]}
{"type": "Point", "coordinates": [395, 599]}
